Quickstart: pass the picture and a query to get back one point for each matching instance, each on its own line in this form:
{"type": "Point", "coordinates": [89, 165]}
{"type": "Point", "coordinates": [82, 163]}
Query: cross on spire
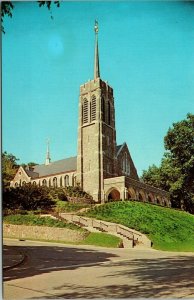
{"type": "Point", "coordinates": [96, 55]}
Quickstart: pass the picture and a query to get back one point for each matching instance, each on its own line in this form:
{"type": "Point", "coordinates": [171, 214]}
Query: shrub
{"type": "Point", "coordinates": [28, 197]}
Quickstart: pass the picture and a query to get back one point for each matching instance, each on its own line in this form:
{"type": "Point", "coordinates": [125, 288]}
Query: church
{"type": "Point", "coordinates": [102, 168]}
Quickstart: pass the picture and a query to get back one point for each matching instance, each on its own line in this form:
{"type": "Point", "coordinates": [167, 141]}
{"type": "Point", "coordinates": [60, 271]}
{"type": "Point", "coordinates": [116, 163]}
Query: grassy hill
{"type": "Point", "coordinates": [167, 228]}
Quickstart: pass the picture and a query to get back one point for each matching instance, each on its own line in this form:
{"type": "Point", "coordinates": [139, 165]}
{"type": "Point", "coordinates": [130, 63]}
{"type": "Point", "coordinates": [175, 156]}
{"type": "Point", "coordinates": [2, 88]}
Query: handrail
{"type": "Point", "coordinates": [104, 226]}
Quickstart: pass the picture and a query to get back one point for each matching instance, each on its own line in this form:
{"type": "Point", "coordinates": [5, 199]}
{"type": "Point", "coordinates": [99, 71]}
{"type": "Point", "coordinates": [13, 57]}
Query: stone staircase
{"type": "Point", "coordinates": [131, 238]}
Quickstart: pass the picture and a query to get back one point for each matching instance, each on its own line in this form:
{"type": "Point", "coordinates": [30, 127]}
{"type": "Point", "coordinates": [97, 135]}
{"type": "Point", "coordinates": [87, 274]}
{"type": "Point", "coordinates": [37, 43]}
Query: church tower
{"type": "Point", "coordinates": [96, 158]}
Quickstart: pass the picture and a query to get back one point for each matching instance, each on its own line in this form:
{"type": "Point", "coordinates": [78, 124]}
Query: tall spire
{"type": "Point", "coordinates": [48, 159]}
{"type": "Point", "coordinates": [96, 55]}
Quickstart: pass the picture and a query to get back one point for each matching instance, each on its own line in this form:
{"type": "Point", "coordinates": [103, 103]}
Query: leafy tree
{"type": "Point", "coordinates": [9, 168]}
{"type": "Point", "coordinates": [7, 9]}
{"type": "Point", "coordinates": [30, 164]}
{"type": "Point", "coordinates": [179, 141]}
{"type": "Point", "coordinates": [176, 172]}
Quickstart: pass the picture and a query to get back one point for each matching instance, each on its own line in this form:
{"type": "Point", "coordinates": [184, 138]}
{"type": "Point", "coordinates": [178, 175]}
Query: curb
{"type": "Point", "coordinates": [24, 257]}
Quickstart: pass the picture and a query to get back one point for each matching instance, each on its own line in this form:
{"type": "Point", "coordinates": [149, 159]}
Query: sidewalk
{"type": "Point", "coordinates": [12, 258]}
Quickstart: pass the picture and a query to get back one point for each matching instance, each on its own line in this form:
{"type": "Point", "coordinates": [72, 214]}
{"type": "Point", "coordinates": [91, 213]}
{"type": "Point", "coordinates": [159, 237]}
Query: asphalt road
{"type": "Point", "coordinates": [56, 271]}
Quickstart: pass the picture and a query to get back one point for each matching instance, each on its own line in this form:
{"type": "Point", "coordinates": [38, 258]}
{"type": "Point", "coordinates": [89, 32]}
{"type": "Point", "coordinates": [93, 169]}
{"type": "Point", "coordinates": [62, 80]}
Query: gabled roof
{"type": "Point", "coordinates": [56, 167]}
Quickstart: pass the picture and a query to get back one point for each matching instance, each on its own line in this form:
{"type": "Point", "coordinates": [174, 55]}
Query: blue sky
{"type": "Point", "coordinates": [146, 54]}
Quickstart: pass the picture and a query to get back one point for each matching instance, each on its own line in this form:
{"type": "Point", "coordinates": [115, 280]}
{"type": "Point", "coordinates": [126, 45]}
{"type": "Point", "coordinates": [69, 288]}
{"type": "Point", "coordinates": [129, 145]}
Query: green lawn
{"type": "Point", "coordinates": [167, 228]}
{"type": "Point", "coordinates": [102, 239]}
{"type": "Point", "coordinates": [35, 220]}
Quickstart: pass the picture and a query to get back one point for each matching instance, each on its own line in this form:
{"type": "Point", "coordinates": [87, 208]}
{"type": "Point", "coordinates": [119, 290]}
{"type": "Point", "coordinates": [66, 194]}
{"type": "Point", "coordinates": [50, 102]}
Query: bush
{"type": "Point", "coordinates": [27, 197]}
{"type": "Point", "coordinates": [62, 206]}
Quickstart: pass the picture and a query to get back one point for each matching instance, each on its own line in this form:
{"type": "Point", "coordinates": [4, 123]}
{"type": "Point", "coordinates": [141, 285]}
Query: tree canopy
{"type": "Point", "coordinates": [7, 8]}
{"type": "Point", "coordinates": [9, 168]}
{"type": "Point", "coordinates": [176, 172]}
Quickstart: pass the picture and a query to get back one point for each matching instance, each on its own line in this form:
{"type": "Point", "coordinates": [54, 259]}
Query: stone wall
{"type": "Point", "coordinates": [43, 233]}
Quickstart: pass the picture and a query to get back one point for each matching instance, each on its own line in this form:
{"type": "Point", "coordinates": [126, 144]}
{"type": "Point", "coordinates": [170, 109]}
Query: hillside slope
{"type": "Point", "coordinates": [167, 228]}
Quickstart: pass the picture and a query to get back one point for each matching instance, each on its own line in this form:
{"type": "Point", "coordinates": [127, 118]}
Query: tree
{"type": "Point", "coordinates": [176, 172]}
{"type": "Point", "coordinates": [27, 197]}
{"type": "Point", "coordinates": [179, 142]}
{"type": "Point", "coordinates": [9, 168]}
{"type": "Point", "coordinates": [7, 9]}
{"type": "Point", "coordinates": [30, 165]}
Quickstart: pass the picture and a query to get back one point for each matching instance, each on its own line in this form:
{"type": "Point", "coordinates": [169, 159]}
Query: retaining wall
{"type": "Point", "coordinates": [42, 232]}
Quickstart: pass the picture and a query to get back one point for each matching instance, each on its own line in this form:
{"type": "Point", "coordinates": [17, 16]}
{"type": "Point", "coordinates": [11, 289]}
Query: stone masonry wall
{"type": "Point", "coordinates": [42, 232]}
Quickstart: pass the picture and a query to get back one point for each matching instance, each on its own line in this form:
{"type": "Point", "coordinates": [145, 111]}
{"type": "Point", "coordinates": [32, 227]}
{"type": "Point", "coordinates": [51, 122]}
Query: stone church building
{"type": "Point", "coordinates": [102, 168]}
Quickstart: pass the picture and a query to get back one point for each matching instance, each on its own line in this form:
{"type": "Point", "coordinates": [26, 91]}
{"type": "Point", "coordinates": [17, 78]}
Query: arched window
{"type": "Point", "coordinates": [93, 109]}
{"type": "Point", "coordinates": [44, 183]}
{"type": "Point", "coordinates": [103, 109]}
{"type": "Point", "coordinates": [16, 184]}
{"type": "Point", "coordinates": [23, 182]}
{"type": "Point", "coordinates": [66, 179]}
{"type": "Point", "coordinates": [61, 181]}
{"type": "Point", "coordinates": [49, 182]}
{"type": "Point", "coordinates": [123, 165]}
{"type": "Point", "coordinates": [126, 162]}
{"type": "Point", "coordinates": [73, 180]}
{"type": "Point", "coordinates": [55, 181]}
{"type": "Point", "coordinates": [109, 113]}
{"type": "Point", "coordinates": [34, 182]}
{"type": "Point", "coordinates": [85, 111]}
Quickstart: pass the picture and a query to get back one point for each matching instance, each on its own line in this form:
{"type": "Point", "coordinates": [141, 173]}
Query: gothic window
{"type": "Point", "coordinates": [66, 180]}
{"type": "Point", "coordinates": [34, 183]}
{"type": "Point", "coordinates": [103, 109]}
{"type": "Point", "coordinates": [85, 111]}
{"type": "Point", "coordinates": [44, 183]}
{"type": "Point", "coordinates": [61, 181]}
{"type": "Point", "coordinates": [23, 182]}
{"type": "Point", "coordinates": [123, 165]}
{"type": "Point", "coordinates": [16, 184]}
{"type": "Point", "coordinates": [109, 113]}
{"type": "Point", "coordinates": [93, 109]}
{"type": "Point", "coordinates": [109, 168]}
{"type": "Point", "coordinates": [55, 181]}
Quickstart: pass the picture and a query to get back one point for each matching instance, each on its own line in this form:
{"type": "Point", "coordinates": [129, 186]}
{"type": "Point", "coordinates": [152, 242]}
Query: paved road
{"type": "Point", "coordinates": [56, 271]}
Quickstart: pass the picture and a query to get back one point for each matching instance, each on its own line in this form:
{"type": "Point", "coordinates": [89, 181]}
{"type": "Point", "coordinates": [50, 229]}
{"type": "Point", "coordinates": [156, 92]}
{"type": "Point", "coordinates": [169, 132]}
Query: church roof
{"type": "Point", "coordinates": [31, 174]}
{"type": "Point", "coordinates": [56, 167]}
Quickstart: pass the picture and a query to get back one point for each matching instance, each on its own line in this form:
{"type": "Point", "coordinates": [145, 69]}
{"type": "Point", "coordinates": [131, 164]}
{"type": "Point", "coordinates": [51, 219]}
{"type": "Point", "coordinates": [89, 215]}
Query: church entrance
{"type": "Point", "coordinates": [114, 195]}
